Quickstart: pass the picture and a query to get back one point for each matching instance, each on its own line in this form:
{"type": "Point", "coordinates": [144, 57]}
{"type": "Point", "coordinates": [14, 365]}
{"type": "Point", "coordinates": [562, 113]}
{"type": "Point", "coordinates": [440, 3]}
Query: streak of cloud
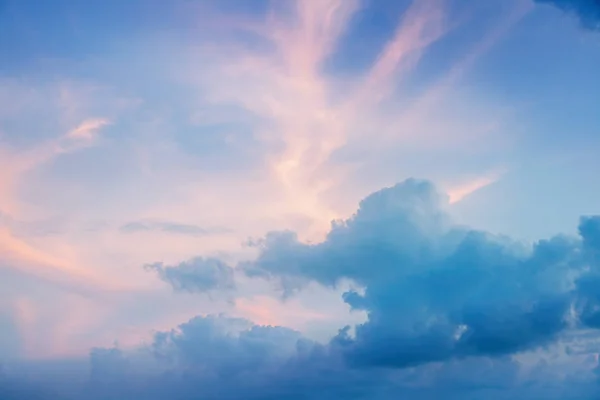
{"type": "Point", "coordinates": [304, 125]}
{"type": "Point", "coordinates": [170, 227]}
{"type": "Point", "coordinates": [458, 193]}
{"type": "Point", "coordinates": [16, 252]}
{"type": "Point", "coordinates": [88, 129]}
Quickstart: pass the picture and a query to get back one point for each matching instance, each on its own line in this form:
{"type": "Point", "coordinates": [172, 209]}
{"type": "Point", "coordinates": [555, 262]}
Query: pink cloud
{"type": "Point", "coordinates": [88, 129]}
{"type": "Point", "coordinates": [459, 192]}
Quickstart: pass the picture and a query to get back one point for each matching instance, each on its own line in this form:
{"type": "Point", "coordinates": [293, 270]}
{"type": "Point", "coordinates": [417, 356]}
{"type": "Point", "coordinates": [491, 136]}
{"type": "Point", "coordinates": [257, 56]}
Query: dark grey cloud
{"type": "Point", "coordinates": [197, 275]}
{"type": "Point", "coordinates": [588, 11]}
{"type": "Point", "coordinates": [170, 227]}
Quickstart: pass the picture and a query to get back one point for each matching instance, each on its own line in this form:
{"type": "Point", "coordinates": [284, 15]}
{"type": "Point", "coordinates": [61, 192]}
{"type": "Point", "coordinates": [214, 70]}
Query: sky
{"type": "Point", "coordinates": [299, 199]}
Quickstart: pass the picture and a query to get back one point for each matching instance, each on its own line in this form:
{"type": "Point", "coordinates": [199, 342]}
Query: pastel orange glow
{"type": "Point", "coordinates": [46, 266]}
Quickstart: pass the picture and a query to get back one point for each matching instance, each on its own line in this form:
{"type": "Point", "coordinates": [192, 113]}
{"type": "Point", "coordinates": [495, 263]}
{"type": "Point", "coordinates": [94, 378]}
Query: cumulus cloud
{"type": "Point", "coordinates": [197, 275]}
{"type": "Point", "coordinates": [217, 357]}
{"type": "Point", "coordinates": [226, 346]}
{"type": "Point", "coordinates": [588, 11]}
{"type": "Point", "coordinates": [434, 291]}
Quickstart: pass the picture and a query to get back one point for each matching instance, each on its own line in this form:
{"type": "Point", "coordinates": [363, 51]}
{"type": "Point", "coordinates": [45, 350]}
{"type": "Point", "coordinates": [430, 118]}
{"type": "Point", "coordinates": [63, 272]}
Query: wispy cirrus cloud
{"type": "Point", "coordinates": [304, 117]}
{"type": "Point", "coordinates": [88, 129]}
{"type": "Point", "coordinates": [17, 252]}
{"type": "Point", "coordinates": [170, 227]}
{"type": "Point", "coordinates": [459, 192]}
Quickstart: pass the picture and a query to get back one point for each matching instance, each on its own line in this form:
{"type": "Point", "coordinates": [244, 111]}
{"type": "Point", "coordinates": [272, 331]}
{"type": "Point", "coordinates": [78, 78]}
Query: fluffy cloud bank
{"type": "Point", "coordinates": [434, 291]}
{"type": "Point", "coordinates": [451, 311]}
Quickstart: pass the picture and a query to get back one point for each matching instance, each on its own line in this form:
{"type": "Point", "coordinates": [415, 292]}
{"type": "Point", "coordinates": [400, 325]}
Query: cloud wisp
{"type": "Point", "coordinates": [88, 129]}
{"type": "Point", "coordinates": [170, 227]}
{"type": "Point", "coordinates": [16, 252]}
{"type": "Point", "coordinates": [304, 116]}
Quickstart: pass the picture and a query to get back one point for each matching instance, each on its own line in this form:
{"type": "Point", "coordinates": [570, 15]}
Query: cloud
{"type": "Point", "coordinates": [228, 358]}
{"type": "Point", "coordinates": [304, 115]}
{"type": "Point", "coordinates": [588, 11]}
{"type": "Point", "coordinates": [225, 345]}
{"type": "Point", "coordinates": [436, 292]}
{"type": "Point", "coordinates": [458, 193]}
{"type": "Point", "coordinates": [458, 346]}
{"type": "Point", "coordinates": [449, 310]}
{"type": "Point", "coordinates": [88, 129]}
{"type": "Point", "coordinates": [170, 227]}
{"type": "Point", "coordinates": [298, 113]}
{"type": "Point", "coordinates": [19, 255]}
{"type": "Point", "coordinates": [16, 251]}
{"type": "Point", "coordinates": [225, 358]}
{"type": "Point", "coordinates": [198, 275]}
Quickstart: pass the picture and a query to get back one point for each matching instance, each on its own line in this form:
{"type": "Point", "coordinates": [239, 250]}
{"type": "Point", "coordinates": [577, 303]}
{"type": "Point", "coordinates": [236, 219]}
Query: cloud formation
{"type": "Point", "coordinates": [88, 129]}
{"type": "Point", "coordinates": [588, 11]}
{"type": "Point", "coordinates": [227, 358]}
{"type": "Point", "coordinates": [450, 310]}
{"type": "Point", "coordinates": [217, 357]}
{"type": "Point", "coordinates": [283, 116]}
{"type": "Point", "coordinates": [198, 275]}
{"type": "Point", "coordinates": [434, 291]}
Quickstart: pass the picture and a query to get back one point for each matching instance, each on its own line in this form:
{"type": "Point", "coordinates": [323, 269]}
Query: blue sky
{"type": "Point", "coordinates": [170, 173]}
